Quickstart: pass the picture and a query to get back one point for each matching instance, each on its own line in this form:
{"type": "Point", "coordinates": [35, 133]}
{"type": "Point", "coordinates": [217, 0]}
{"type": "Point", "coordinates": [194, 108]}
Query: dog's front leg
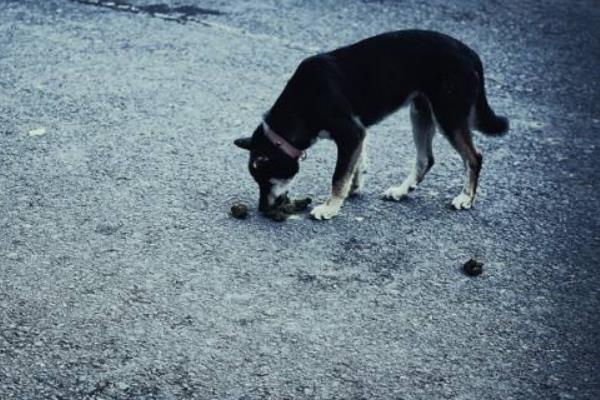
{"type": "Point", "coordinates": [349, 149]}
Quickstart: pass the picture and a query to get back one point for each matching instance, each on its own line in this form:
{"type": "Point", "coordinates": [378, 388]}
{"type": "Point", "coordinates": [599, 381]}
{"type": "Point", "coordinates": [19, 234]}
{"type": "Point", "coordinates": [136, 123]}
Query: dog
{"type": "Point", "coordinates": [339, 94]}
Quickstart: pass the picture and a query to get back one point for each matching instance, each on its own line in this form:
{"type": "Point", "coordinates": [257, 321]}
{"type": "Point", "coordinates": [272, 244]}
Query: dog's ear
{"type": "Point", "coordinates": [244, 143]}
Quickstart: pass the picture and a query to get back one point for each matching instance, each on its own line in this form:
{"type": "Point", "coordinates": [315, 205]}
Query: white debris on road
{"type": "Point", "coordinates": [37, 132]}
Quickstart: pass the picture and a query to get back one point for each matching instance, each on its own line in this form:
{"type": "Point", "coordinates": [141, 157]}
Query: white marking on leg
{"type": "Point", "coordinates": [358, 180]}
{"type": "Point", "coordinates": [462, 141]}
{"type": "Point", "coordinates": [358, 122]}
{"type": "Point", "coordinates": [466, 198]}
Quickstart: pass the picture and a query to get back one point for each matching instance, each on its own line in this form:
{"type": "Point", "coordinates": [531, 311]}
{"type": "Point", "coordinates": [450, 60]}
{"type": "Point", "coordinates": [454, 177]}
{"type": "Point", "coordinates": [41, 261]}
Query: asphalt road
{"type": "Point", "coordinates": [123, 277]}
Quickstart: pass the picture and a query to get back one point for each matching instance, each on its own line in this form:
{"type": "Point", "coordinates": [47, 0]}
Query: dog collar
{"type": "Point", "coordinates": [283, 144]}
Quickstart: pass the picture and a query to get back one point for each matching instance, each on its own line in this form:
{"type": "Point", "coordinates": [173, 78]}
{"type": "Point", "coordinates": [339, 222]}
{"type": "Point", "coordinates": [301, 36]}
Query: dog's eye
{"type": "Point", "coordinates": [259, 162]}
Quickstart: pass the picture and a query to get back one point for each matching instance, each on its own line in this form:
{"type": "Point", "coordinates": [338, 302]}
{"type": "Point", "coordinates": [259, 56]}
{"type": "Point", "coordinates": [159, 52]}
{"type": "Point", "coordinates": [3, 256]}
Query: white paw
{"type": "Point", "coordinates": [462, 202]}
{"type": "Point", "coordinates": [325, 211]}
{"type": "Point", "coordinates": [396, 193]}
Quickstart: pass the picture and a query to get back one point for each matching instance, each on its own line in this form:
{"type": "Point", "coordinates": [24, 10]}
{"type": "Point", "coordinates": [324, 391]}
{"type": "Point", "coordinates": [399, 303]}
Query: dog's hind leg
{"type": "Point", "coordinates": [423, 130]}
{"type": "Point", "coordinates": [462, 142]}
{"type": "Point", "coordinates": [452, 104]}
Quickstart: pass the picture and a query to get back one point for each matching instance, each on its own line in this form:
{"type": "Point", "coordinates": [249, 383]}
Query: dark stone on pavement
{"type": "Point", "coordinates": [239, 211]}
{"type": "Point", "coordinates": [473, 267]}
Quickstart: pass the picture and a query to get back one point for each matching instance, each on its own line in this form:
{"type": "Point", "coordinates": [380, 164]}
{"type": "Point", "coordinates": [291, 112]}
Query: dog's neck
{"type": "Point", "coordinates": [291, 129]}
{"type": "Point", "coordinates": [281, 142]}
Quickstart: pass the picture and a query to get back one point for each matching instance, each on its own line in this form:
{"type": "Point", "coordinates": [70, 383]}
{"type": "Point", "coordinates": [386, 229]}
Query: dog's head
{"type": "Point", "coordinates": [270, 167]}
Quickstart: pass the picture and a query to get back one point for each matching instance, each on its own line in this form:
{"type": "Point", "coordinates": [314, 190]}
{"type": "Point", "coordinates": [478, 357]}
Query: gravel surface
{"type": "Point", "coordinates": [123, 276]}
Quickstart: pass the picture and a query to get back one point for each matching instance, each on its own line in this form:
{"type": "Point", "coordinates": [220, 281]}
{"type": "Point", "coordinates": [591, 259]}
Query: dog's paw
{"type": "Point", "coordinates": [325, 211]}
{"type": "Point", "coordinates": [462, 202]}
{"type": "Point", "coordinates": [397, 193]}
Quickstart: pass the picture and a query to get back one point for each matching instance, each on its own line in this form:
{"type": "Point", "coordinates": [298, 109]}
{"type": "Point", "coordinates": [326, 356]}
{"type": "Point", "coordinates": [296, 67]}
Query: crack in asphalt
{"type": "Point", "coordinates": [179, 14]}
{"type": "Point", "coordinates": [183, 14]}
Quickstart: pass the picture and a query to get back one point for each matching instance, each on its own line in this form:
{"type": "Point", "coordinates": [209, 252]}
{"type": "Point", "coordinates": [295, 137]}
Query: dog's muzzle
{"type": "Point", "coordinates": [273, 193]}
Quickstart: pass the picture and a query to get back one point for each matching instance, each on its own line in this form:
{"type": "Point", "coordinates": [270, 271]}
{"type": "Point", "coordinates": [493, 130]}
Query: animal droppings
{"type": "Point", "coordinates": [239, 211]}
{"type": "Point", "coordinates": [473, 267]}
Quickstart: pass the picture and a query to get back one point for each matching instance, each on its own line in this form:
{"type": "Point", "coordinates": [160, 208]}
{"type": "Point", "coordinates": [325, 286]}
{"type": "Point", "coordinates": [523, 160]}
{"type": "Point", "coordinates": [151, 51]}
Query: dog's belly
{"type": "Point", "coordinates": [373, 114]}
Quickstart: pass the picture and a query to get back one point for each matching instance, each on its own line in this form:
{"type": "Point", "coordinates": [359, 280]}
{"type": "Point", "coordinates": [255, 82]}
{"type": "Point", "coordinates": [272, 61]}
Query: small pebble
{"type": "Point", "coordinates": [239, 211]}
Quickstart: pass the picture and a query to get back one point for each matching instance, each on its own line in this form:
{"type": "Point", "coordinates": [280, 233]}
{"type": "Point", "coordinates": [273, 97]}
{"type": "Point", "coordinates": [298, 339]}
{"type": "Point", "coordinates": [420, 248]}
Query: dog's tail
{"type": "Point", "coordinates": [486, 120]}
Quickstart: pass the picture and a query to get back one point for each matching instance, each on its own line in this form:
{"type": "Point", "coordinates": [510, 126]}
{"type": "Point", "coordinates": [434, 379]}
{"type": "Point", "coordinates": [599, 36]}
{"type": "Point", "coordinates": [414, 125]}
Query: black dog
{"type": "Point", "coordinates": [340, 93]}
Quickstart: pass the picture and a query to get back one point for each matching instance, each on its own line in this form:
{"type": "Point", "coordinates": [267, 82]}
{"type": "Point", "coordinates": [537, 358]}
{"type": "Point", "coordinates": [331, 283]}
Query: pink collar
{"type": "Point", "coordinates": [283, 144]}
